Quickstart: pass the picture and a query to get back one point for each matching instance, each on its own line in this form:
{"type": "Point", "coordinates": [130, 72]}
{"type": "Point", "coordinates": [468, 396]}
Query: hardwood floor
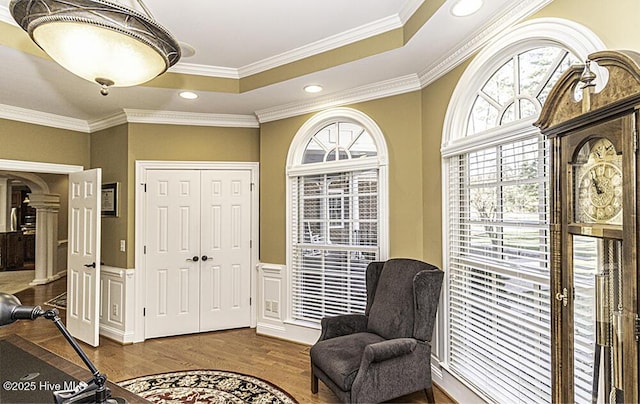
{"type": "Point", "coordinates": [283, 363]}
{"type": "Point", "coordinates": [15, 281]}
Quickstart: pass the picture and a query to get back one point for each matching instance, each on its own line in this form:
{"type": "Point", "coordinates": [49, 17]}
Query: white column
{"type": "Point", "coordinates": [47, 207]}
{"type": "Point", "coordinates": [5, 205]}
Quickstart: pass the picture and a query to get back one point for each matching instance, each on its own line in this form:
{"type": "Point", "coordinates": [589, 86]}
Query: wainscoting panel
{"type": "Point", "coordinates": [273, 307]}
{"type": "Point", "coordinates": [270, 298]}
{"type": "Point", "coordinates": [117, 303]}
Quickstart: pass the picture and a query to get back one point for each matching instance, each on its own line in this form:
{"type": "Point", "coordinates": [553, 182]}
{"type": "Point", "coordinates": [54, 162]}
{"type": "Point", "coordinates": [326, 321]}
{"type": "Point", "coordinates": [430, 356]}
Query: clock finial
{"type": "Point", "coordinates": [588, 85]}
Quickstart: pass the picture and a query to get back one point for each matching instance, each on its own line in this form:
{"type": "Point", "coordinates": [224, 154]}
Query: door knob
{"type": "Point", "coordinates": [204, 258]}
{"type": "Point", "coordinates": [92, 265]}
{"type": "Point", "coordinates": [194, 259]}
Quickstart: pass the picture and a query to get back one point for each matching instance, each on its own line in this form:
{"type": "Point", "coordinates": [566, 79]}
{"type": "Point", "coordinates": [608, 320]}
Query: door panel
{"type": "Point", "coordinates": [198, 256]}
{"type": "Point", "coordinates": [226, 239]}
{"type": "Point", "coordinates": [173, 240]}
{"type": "Point", "coordinates": [83, 260]}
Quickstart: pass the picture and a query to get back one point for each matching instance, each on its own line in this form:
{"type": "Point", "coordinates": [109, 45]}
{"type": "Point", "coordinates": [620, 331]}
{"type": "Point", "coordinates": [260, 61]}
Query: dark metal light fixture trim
{"type": "Point", "coordinates": [33, 14]}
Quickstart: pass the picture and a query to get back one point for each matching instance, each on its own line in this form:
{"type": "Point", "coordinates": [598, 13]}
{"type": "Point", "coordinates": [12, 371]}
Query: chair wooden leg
{"type": "Point", "coordinates": [429, 393]}
{"type": "Point", "coordinates": [314, 382]}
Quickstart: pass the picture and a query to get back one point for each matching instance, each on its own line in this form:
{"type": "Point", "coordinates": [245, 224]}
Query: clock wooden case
{"type": "Point", "coordinates": [591, 121]}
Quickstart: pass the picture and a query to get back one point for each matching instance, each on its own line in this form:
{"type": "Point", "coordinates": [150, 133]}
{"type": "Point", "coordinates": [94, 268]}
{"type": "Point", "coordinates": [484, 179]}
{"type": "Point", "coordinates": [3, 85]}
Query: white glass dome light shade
{"type": "Point", "coordinates": [93, 53]}
{"type": "Point", "coordinates": [99, 40]}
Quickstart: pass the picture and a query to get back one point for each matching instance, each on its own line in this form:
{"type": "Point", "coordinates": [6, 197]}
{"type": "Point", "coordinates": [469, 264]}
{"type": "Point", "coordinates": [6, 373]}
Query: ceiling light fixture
{"type": "Point", "coordinates": [463, 8]}
{"type": "Point", "coordinates": [313, 88]}
{"type": "Point", "coordinates": [188, 95]}
{"type": "Point", "coordinates": [100, 41]}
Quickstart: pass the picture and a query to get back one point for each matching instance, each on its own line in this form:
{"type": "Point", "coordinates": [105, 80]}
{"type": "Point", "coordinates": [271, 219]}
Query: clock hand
{"type": "Point", "coordinates": [596, 184]}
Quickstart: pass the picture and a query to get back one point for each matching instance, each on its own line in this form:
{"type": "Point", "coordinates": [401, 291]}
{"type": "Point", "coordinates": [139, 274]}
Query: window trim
{"type": "Point", "coordinates": [540, 32]}
{"type": "Point", "coordinates": [531, 34]}
{"type": "Point", "coordinates": [295, 168]}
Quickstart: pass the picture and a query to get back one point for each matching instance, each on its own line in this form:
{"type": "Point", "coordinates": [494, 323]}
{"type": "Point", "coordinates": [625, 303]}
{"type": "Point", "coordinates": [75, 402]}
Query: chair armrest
{"type": "Point", "coordinates": [385, 350]}
{"type": "Point", "coordinates": [342, 325]}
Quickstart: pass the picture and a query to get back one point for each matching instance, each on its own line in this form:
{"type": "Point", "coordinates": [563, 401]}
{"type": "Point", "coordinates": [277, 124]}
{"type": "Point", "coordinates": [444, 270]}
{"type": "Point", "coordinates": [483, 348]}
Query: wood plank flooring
{"type": "Point", "coordinates": [283, 363]}
{"type": "Point", "coordinates": [15, 281]}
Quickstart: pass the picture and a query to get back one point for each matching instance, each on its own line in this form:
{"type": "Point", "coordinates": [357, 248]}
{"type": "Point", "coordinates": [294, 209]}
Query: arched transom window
{"type": "Point", "coordinates": [496, 252]}
{"type": "Point", "coordinates": [337, 221]}
{"type": "Point", "coordinates": [517, 90]}
{"type": "Point", "coordinates": [339, 141]}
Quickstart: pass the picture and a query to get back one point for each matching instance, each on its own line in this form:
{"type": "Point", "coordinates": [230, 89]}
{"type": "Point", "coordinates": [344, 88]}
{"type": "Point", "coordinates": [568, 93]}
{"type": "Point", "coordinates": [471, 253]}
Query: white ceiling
{"type": "Point", "coordinates": [237, 38]}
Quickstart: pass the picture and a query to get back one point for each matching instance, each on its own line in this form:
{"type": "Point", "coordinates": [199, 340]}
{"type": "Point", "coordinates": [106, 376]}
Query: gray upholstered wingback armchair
{"type": "Point", "coordinates": [385, 352]}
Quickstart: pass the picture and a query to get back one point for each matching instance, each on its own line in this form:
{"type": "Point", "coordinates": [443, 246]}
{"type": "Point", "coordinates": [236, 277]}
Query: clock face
{"type": "Point", "coordinates": [598, 184]}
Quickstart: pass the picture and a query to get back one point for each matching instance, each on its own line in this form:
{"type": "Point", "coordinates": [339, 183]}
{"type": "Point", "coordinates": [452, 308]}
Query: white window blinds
{"type": "Point", "coordinates": [334, 237]}
{"type": "Point", "coordinates": [499, 303]}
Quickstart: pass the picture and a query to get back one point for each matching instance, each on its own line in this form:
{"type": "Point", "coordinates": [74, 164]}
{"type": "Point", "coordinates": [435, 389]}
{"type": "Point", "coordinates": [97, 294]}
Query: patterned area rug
{"type": "Point", "coordinates": [59, 301]}
{"type": "Point", "coordinates": [206, 386]}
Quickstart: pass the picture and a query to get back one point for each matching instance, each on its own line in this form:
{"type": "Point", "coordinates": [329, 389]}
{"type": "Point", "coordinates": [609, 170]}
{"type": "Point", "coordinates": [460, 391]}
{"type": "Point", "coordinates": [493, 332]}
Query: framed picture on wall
{"type": "Point", "coordinates": [110, 199]}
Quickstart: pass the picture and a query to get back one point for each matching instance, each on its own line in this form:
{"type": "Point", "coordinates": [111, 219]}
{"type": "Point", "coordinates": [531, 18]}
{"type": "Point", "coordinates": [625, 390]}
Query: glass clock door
{"type": "Point", "coordinates": [597, 284]}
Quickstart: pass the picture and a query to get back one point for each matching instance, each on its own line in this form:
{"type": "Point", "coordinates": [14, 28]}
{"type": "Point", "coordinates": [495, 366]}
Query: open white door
{"type": "Point", "coordinates": [83, 259]}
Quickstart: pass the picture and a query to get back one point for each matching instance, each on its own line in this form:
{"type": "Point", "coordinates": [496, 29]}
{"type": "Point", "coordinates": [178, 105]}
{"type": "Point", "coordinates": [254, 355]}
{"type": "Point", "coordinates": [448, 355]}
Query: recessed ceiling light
{"type": "Point", "coordinates": [313, 88]}
{"type": "Point", "coordinates": [463, 8]}
{"type": "Point", "coordinates": [188, 95]}
{"type": "Point", "coordinates": [186, 49]}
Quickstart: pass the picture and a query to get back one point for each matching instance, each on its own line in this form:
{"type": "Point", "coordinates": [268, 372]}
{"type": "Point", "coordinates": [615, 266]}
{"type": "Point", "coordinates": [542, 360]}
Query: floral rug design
{"type": "Point", "coordinates": [59, 301]}
{"type": "Point", "coordinates": [206, 386]}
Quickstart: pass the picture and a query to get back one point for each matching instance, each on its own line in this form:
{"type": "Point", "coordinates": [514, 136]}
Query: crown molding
{"type": "Point", "coordinates": [38, 167]}
{"type": "Point", "coordinates": [519, 11]}
{"type": "Point", "coordinates": [127, 116]}
{"type": "Point", "coordinates": [190, 118]}
{"type": "Point", "coordinates": [205, 70]}
{"type": "Point", "coordinates": [382, 89]}
{"type": "Point", "coordinates": [396, 86]}
{"type": "Point", "coordinates": [333, 42]}
{"type": "Point", "coordinates": [109, 122]}
{"type": "Point", "coordinates": [43, 118]}
{"type": "Point", "coordinates": [412, 82]}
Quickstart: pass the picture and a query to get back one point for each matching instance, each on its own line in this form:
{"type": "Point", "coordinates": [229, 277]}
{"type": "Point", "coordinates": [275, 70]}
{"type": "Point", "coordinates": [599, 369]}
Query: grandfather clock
{"type": "Point", "coordinates": [594, 189]}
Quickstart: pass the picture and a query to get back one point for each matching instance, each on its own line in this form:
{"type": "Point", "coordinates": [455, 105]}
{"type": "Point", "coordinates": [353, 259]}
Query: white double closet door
{"type": "Point", "coordinates": [198, 251]}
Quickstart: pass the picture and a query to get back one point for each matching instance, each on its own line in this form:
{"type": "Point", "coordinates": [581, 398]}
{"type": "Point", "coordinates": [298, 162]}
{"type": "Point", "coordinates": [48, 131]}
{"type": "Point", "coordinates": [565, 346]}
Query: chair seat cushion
{"type": "Point", "coordinates": [340, 357]}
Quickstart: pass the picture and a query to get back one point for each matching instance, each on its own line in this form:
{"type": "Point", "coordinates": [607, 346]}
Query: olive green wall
{"type": "Point", "coordinates": [180, 143]}
{"type": "Point", "coordinates": [109, 152]}
{"type": "Point", "coordinates": [192, 143]}
{"type": "Point", "coordinates": [275, 138]}
{"type": "Point", "coordinates": [614, 22]}
{"type": "Point", "coordinates": [399, 119]}
{"type": "Point", "coordinates": [35, 143]}
{"type": "Point", "coordinates": [115, 151]}
{"type": "Point", "coordinates": [28, 142]}
{"type": "Point", "coordinates": [433, 113]}
{"type": "Point", "coordinates": [412, 125]}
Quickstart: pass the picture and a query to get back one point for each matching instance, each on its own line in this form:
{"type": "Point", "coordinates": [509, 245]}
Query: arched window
{"type": "Point", "coordinates": [337, 213]}
{"type": "Point", "coordinates": [496, 202]}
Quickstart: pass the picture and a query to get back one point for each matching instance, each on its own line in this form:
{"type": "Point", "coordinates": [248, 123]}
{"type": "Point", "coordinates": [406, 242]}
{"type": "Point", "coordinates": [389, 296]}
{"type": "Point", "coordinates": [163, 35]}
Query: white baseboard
{"type": "Point", "coordinates": [116, 334]}
{"type": "Point", "coordinates": [271, 330]}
